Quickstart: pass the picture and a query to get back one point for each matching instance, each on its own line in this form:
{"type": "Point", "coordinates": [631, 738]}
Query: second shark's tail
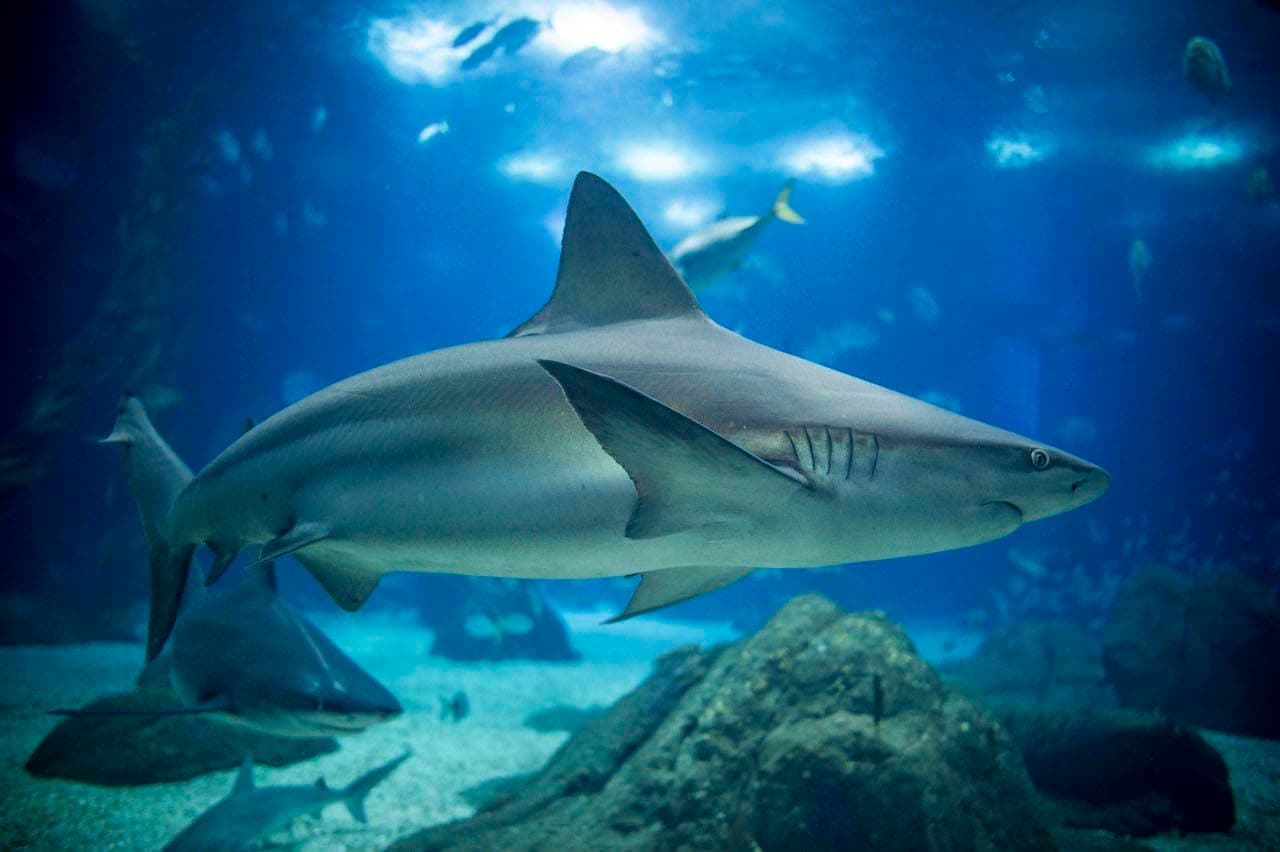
{"type": "Point", "coordinates": [353, 795]}
{"type": "Point", "coordinates": [782, 209]}
{"type": "Point", "coordinates": [156, 476]}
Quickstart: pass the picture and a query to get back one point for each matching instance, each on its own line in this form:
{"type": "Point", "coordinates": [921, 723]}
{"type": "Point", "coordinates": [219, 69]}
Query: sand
{"type": "Point", "coordinates": [39, 813]}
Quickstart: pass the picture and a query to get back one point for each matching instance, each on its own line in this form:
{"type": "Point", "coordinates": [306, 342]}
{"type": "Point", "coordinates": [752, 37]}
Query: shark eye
{"type": "Point", "coordinates": [1039, 458]}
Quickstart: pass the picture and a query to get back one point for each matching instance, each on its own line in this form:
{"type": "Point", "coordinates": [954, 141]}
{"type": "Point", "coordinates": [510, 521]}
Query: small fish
{"type": "Point", "coordinates": [261, 145]}
{"type": "Point", "coordinates": [468, 34]}
{"type": "Point", "coordinates": [319, 118]}
{"type": "Point", "coordinates": [510, 39]}
{"type": "Point", "coordinates": [251, 813]}
{"type": "Point", "coordinates": [455, 708]}
{"type": "Point", "coordinates": [431, 131]}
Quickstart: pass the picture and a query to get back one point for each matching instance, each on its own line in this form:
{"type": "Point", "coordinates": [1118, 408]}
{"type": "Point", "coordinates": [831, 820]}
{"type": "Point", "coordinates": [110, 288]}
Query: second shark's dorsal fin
{"type": "Point", "coordinates": [244, 777]}
{"type": "Point", "coordinates": [610, 268]}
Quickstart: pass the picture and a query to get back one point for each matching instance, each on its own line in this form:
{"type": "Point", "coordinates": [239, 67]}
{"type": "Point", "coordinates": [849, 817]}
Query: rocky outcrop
{"type": "Point", "coordinates": [495, 619]}
{"type": "Point", "coordinates": [1048, 663]}
{"type": "Point", "coordinates": [1129, 773]}
{"type": "Point", "coordinates": [1200, 649]}
{"type": "Point", "coordinates": [130, 750]}
{"type": "Point", "coordinates": [822, 731]}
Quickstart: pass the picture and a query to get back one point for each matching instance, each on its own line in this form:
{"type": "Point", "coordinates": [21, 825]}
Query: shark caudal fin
{"type": "Point", "coordinates": [156, 477]}
{"type": "Point", "coordinates": [353, 795]}
{"type": "Point", "coordinates": [781, 207]}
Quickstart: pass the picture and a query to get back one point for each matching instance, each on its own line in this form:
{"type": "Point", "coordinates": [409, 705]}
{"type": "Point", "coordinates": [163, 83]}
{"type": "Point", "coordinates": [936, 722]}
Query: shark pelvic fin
{"type": "Point", "coordinates": [223, 556]}
{"type": "Point", "coordinates": [349, 587]}
{"type": "Point", "coordinates": [295, 538]}
{"type": "Point", "coordinates": [673, 585]}
{"type": "Point", "coordinates": [610, 268]}
{"type": "Point", "coordinates": [686, 475]}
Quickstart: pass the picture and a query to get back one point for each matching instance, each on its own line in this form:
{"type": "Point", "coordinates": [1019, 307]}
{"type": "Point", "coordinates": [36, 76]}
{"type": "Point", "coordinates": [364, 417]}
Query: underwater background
{"type": "Point", "coordinates": [1042, 215]}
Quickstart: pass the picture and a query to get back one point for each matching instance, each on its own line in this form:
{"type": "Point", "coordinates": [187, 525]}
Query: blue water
{"type": "Point", "coordinates": [353, 243]}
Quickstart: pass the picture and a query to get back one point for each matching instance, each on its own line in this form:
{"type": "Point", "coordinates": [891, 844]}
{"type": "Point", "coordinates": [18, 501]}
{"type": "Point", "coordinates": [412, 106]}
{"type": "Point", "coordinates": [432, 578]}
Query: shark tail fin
{"type": "Point", "coordinates": [781, 207]}
{"type": "Point", "coordinates": [353, 795]}
{"type": "Point", "coordinates": [156, 477]}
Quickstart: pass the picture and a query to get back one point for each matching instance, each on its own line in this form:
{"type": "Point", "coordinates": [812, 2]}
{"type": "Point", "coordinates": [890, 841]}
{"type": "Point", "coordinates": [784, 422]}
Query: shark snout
{"type": "Point", "coordinates": [1090, 486]}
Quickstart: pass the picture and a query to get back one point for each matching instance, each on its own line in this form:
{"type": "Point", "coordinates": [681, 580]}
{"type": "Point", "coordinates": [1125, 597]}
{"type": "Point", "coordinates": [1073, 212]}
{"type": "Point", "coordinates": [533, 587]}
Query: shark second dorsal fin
{"type": "Point", "coordinates": [244, 777]}
{"type": "Point", "coordinates": [611, 270]}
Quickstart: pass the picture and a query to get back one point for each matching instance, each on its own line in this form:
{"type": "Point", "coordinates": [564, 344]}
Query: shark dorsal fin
{"type": "Point", "coordinates": [244, 778]}
{"type": "Point", "coordinates": [611, 270]}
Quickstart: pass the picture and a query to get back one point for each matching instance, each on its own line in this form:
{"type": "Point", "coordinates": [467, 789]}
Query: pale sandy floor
{"type": "Point", "coordinates": [37, 813]}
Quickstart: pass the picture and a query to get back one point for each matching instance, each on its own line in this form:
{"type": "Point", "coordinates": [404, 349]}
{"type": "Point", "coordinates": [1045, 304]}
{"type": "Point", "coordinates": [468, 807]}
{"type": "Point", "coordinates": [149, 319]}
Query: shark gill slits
{"type": "Point", "coordinates": [1040, 458]}
{"type": "Point", "coordinates": [823, 452]}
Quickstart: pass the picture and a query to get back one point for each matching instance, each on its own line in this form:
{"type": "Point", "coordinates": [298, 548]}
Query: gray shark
{"type": "Point", "coordinates": [711, 253]}
{"type": "Point", "coordinates": [617, 431]}
{"type": "Point", "coordinates": [251, 813]}
{"type": "Point", "coordinates": [245, 655]}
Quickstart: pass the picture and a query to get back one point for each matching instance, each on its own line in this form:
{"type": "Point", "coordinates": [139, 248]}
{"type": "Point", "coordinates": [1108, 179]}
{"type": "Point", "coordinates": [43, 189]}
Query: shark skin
{"type": "Point", "coordinates": [618, 431]}
{"type": "Point", "coordinates": [249, 814]}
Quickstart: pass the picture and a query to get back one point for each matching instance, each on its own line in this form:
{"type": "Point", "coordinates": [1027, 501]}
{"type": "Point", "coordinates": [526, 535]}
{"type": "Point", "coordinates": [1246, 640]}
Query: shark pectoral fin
{"type": "Point", "coordinates": [295, 538]}
{"type": "Point", "coordinates": [673, 585]}
{"type": "Point", "coordinates": [686, 475]}
{"type": "Point", "coordinates": [349, 587]}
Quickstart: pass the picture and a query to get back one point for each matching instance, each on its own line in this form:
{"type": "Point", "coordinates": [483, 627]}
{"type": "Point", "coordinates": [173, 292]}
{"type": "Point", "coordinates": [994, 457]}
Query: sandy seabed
{"type": "Point", "coordinates": [42, 813]}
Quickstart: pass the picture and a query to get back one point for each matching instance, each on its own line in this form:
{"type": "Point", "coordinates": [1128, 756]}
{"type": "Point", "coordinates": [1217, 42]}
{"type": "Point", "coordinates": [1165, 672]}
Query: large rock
{"type": "Point", "coordinates": [1048, 663]}
{"type": "Point", "coordinates": [822, 731]}
{"type": "Point", "coordinates": [496, 619]}
{"type": "Point", "coordinates": [1129, 773]}
{"type": "Point", "coordinates": [1202, 650]}
{"type": "Point", "coordinates": [131, 750]}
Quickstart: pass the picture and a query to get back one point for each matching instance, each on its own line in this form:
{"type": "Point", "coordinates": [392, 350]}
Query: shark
{"type": "Point", "coordinates": [709, 254]}
{"type": "Point", "coordinates": [247, 658]}
{"type": "Point", "coordinates": [251, 813]}
{"type": "Point", "coordinates": [617, 431]}
{"type": "Point", "coordinates": [244, 655]}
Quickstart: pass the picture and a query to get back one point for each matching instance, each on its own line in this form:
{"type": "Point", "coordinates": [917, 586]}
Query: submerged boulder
{"type": "Point", "coordinates": [1050, 663]}
{"type": "Point", "coordinates": [131, 750]}
{"type": "Point", "coordinates": [1200, 649]}
{"type": "Point", "coordinates": [496, 619]}
{"type": "Point", "coordinates": [1128, 773]}
{"type": "Point", "coordinates": [823, 731]}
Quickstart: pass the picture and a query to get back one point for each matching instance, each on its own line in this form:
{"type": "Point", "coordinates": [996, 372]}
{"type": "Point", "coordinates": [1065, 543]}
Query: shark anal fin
{"type": "Point", "coordinates": [610, 268]}
{"type": "Point", "coordinates": [686, 475]}
{"type": "Point", "coordinates": [295, 538]}
{"type": "Point", "coordinates": [349, 587]}
{"type": "Point", "coordinates": [669, 586]}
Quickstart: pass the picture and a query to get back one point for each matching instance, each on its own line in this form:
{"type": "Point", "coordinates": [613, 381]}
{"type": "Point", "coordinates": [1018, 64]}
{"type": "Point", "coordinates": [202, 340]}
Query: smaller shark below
{"type": "Point", "coordinates": [709, 254]}
{"type": "Point", "coordinates": [251, 813]}
{"type": "Point", "coordinates": [245, 656]}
